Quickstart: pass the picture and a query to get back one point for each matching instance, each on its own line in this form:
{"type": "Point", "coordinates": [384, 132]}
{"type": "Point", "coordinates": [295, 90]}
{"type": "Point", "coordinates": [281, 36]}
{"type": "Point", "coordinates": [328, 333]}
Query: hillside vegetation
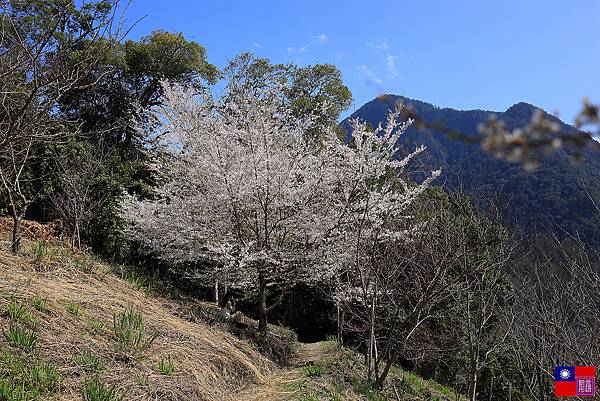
{"type": "Point", "coordinates": [70, 331]}
{"type": "Point", "coordinates": [175, 227]}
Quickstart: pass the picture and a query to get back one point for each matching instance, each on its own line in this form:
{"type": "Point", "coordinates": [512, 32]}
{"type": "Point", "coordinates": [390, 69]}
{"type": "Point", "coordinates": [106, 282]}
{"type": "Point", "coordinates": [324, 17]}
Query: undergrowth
{"type": "Point", "coordinates": [166, 367]}
{"type": "Point", "coordinates": [24, 377]}
{"type": "Point", "coordinates": [130, 332]}
{"type": "Point", "coordinates": [95, 389]}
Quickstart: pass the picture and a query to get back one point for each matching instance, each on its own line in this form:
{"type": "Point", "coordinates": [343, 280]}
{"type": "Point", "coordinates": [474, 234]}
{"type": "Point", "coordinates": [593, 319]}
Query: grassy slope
{"type": "Point", "coordinates": [69, 302]}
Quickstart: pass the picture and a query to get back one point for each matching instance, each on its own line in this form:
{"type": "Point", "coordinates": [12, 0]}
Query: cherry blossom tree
{"type": "Point", "coordinates": [243, 183]}
{"type": "Point", "coordinates": [241, 179]}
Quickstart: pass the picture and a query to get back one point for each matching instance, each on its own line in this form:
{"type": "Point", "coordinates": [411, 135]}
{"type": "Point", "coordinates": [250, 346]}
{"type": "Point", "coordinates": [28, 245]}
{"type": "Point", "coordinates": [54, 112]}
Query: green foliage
{"type": "Point", "coordinates": [15, 310]}
{"type": "Point", "coordinates": [314, 370]}
{"type": "Point", "coordinates": [331, 338]}
{"type": "Point", "coordinates": [138, 280]}
{"type": "Point", "coordinates": [20, 337]}
{"type": "Point", "coordinates": [130, 333]}
{"type": "Point", "coordinates": [166, 367]}
{"type": "Point", "coordinates": [166, 55]}
{"type": "Point", "coordinates": [74, 308]}
{"type": "Point", "coordinates": [89, 361]}
{"type": "Point", "coordinates": [96, 326]}
{"type": "Point", "coordinates": [40, 304]}
{"type": "Point", "coordinates": [141, 380]}
{"type": "Point", "coordinates": [368, 389]}
{"type": "Point", "coordinates": [18, 312]}
{"type": "Point", "coordinates": [86, 261]}
{"type": "Point", "coordinates": [23, 378]}
{"type": "Point", "coordinates": [314, 86]}
{"type": "Point", "coordinates": [308, 397]}
{"type": "Point", "coordinates": [308, 88]}
{"type": "Point", "coordinates": [40, 251]}
{"type": "Point", "coordinates": [95, 390]}
{"type": "Point", "coordinates": [412, 384]}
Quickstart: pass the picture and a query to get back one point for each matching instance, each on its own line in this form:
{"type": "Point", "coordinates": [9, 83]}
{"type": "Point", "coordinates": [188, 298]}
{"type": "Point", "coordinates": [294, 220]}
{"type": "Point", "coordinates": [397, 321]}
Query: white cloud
{"type": "Point", "coordinates": [369, 74]}
{"type": "Point", "coordinates": [379, 44]}
{"type": "Point", "coordinates": [320, 39]}
{"type": "Point", "coordinates": [390, 62]}
{"type": "Point", "coordinates": [256, 45]}
{"type": "Point", "coordinates": [382, 44]}
{"type": "Point", "coordinates": [315, 41]}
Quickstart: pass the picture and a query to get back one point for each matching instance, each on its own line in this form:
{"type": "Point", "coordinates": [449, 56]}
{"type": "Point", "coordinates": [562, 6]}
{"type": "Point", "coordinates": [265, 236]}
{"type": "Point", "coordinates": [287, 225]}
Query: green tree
{"type": "Point", "coordinates": [317, 90]}
{"type": "Point", "coordinates": [317, 85]}
{"type": "Point", "coordinates": [125, 85]}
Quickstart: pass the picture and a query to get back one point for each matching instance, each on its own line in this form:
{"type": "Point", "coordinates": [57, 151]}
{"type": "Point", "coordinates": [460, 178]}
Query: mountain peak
{"type": "Point", "coordinates": [522, 108]}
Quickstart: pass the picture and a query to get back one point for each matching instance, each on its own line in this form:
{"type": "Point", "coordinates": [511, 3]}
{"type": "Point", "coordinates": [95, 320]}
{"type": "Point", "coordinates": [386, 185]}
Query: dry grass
{"type": "Point", "coordinates": [209, 364]}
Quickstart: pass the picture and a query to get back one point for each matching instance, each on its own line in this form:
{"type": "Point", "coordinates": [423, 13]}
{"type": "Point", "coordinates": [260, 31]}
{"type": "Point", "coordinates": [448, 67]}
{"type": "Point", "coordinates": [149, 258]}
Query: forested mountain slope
{"type": "Point", "coordinates": [551, 198]}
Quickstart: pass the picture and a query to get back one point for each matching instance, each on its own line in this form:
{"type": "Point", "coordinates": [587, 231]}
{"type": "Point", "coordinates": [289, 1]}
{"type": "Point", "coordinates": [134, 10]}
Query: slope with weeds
{"type": "Point", "coordinates": [72, 330]}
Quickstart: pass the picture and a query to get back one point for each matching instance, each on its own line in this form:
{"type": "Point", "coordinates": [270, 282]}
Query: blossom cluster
{"type": "Point", "coordinates": [243, 185]}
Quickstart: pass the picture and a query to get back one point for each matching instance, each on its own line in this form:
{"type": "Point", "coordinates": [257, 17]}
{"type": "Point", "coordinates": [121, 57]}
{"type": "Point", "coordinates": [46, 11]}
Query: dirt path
{"type": "Point", "coordinates": [278, 385]}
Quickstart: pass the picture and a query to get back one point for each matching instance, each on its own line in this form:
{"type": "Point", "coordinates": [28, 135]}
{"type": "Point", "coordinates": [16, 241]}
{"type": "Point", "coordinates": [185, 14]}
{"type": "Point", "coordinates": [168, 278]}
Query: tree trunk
{"type": "Point", "coordinates": [76, 239]}
{"type": "Point", "coordinates": [262, 299]}
{"type": "Point", "coordinates": [16, 234]}
{"type": "Point", "coordinates": [472, 393]}
{"type": "Point", "coordinates": [340, 325]}
{"type": "Point", "coordinates": [371, 361]}
{"type": "Point", "coordinates": [388, 365]}
{"type": "Point", "coordinates": [217, 290]}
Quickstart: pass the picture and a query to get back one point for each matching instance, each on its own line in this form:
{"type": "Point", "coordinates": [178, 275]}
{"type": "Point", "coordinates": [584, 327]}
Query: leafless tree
{"type": "Point", "coordinates": [47, 49]}
{"type": "Point", "coordinates": [77, 201]}
{"type": "Point", "coordinates": [450, 269]}
{"type": "Point", "coordinates": [483, 320]}
{"type": "Point", "coordinates": [557, 316]}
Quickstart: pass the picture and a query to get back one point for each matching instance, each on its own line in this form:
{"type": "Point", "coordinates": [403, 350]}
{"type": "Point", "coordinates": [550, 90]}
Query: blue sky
{"type": "Point", "coordinates": [461, 54]}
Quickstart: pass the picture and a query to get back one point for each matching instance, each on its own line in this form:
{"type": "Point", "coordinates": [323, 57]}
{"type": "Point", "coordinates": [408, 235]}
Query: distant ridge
{"type": "Point", "coordinates": [552, 198]}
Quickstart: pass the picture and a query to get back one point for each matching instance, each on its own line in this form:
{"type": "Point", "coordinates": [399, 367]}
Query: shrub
{"type": "Point", "coordinates": [279, 348]}
{"type": "Point", "coordinates": [88, 361]}
{"type": "Point", "coordinates": [20, 337]}
{"type": "Point", "coordinates": [166, 367]}
{"type": "Point", "coordinates": [130, 333]}
{"type": "Point", "coordinates": [95, 390]}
